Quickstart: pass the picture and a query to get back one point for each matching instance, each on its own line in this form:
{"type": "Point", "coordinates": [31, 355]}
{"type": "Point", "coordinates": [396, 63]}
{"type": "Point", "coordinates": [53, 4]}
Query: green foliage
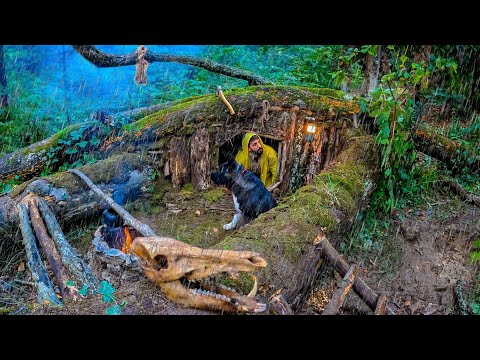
{"type": "Point", "coordinates": [6, 186]}
{"type": "Point", "coordinates": [106, 290]}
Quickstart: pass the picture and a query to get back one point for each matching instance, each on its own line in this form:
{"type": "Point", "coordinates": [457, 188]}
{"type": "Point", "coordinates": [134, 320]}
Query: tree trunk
{"type": "Point", "coordinates": [371, 71]}
{"type": "Point", "coordinates": [3, 81]}
{"type": "Point", "coordinates": [101, 59]}
{"type": "Point", "coordinates": [71, 200]}
{"type": "Point", "coordinates": [448, 151]}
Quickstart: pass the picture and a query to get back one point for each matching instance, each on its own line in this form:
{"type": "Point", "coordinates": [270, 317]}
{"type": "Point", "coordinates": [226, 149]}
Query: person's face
{"type": "Point", "coordinates": [255, 146]}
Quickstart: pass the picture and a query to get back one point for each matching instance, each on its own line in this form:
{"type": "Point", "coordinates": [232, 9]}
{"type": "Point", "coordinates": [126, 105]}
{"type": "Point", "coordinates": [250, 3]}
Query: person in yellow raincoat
{"type": "Point", "coordinates": [259, 158]}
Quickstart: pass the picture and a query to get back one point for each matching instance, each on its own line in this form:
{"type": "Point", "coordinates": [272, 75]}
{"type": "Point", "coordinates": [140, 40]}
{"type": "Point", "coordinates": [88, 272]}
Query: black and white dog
{"type": "Point", "coordinates": [250, 196]}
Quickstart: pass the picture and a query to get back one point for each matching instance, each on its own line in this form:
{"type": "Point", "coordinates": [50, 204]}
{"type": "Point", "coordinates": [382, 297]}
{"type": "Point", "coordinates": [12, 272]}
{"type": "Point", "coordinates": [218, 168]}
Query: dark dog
{"type": "Point", "coordinates": [250, 196]}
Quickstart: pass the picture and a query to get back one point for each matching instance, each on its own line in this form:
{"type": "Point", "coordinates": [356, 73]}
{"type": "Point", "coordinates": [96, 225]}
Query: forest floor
{"type": "Point", "coordinates": [417, 267]}
{"type": "Point", "coordinates": [425, 253]}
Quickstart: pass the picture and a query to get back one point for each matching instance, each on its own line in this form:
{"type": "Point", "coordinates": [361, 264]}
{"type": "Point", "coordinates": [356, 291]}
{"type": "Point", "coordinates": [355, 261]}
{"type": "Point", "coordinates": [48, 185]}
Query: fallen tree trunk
{"type": "Point", "coordinates": [102, 59]}
{"type": "Point", "coordinates": [45, 293]}
{"type": "Point", "coordinates": [330, 204]}
{"type": "Point", "coordinates": [124, 175]}
{"type": "Point", "coordinates": [152, 133]}
{"type": "Point", "coordinates": [450, 152]}
{"type": "Point", "coordinates": [70, 258]}
{"type": "Point", "coordinates": [48, 246]}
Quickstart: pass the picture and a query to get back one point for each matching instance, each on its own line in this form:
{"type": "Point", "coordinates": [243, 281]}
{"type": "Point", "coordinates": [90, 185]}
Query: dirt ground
{"type": "Point", "coordinates": [417, 267]}
{"type": "Point", "coordinates": [419, 264]}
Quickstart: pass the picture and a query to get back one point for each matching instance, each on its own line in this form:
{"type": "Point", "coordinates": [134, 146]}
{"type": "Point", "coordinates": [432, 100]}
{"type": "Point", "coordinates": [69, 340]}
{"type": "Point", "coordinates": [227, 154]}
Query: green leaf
{"type": "Point", "coordinates": [71, 151]}
{"type": "Point", "coordinates": [388, 172]}
{"type": "Point", "coordinates": [83, 291]}
{"type": "Point", "coordinates": [475, 308]}
{"type": "Point", "coordinates": [70, 283]}
{"type": "Point", "coordinates": [114, 310]}
{"type": "Point", "coordinates": [123, 303]}
{"type": "Point", "coordinates": [82, 144]}
{"type": "Point", "coordinates": [106, 288]}
{"type": "Point", "coordinates": [108, 298]}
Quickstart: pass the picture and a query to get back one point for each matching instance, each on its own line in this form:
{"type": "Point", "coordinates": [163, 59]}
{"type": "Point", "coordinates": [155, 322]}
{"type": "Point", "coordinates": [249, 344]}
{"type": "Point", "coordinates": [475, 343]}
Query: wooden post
{"type": "Point", "coordinates": [338, 297]}
{"type": "Point", "coordinates": [179, 161]}
{"type": "Point", "coordinates": [199, 149]}
{"type": "Point", "coordinates": [381, 305]}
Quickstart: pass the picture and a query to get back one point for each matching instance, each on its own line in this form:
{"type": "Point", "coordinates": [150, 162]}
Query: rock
{"type": "Point", "coordinates": [410, 230]}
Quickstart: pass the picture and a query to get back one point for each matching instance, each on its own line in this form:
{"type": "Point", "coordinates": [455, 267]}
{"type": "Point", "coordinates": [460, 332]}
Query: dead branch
{"type": "Point", "coordinates": [102, 59]}
{"type": "Point", "coordinates": [338, 297]}
{"type": "Point", "coordinates": [144, 229]}
{"type": "Point", "coordinates": [45, 293]}
{"type": "Point", "coordinates": [48, 246]}
{"type": "Point", "coordinates": [359, 286]}
{"type": "Point", "coordinates": [70, 258]}
{"type": "Point", "coordinates": [274, 186]}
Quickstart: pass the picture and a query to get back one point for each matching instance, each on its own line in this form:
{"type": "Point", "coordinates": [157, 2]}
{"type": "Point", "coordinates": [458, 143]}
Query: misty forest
{"type": "Point", "coordinates": [131, 183]}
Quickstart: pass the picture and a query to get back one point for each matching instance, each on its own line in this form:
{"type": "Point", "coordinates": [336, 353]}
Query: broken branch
{"type": "Point", "coordinates": [144, 229]}
{"type": "Point", "coordinates": [45, 293]}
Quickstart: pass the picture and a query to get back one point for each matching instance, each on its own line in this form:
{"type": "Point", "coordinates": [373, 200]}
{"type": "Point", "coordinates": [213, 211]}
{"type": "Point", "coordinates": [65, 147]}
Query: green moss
{"type": "Point", "coordinates": [187, 191]}
{"type": "Point", "coordinates": [214, 194]}
{"type": "Point", "coordinates": [243, 283]}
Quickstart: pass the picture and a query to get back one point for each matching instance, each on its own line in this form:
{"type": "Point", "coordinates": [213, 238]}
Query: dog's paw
{"type": "Point", "coordinates": [228, 226]}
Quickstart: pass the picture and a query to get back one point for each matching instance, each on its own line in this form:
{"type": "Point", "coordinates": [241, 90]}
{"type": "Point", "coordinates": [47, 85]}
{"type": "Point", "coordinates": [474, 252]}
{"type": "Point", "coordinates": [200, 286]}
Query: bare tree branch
{"type": "Point", "coordinates": [101, 59]}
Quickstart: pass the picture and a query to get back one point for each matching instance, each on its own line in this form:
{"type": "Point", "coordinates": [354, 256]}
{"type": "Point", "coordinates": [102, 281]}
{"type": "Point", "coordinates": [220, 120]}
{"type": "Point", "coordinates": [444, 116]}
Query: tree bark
{"type": "Point", "coordinates": [179, 161]}
{"type": "Point", "coordinates": [381, 305]}
{"type": "Point", "coordinates": [359, 286]}
{"type": "Point", "coordinates": [3, 81]}
{"type": "Point", "coordinates": [338, 297]}
{"type": "Point", "coordinates": [48, 246]}
{"type": "Point", "coordinates": [144, 229]}
{"type": "Point", "coordinates": [45, 293]}
{"type": "Point", "coordinates": [70, 257]}
{"type": "Point", "coordinates": [279, 306]}
{"type": "Point", "coordinates": [101, 59]}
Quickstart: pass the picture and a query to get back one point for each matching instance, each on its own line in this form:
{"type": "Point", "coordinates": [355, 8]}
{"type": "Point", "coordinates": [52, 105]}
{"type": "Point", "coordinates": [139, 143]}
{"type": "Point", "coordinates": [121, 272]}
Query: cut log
{"type": "Point", "coordinates": [144, 229]}
{"type": "Point", "coordinates": [48, 246]}
{"type": "Point", "coordinates": [338, 297]}
{"type": "Point", "coordinates": [70, 258]}
{"type": "Point", "coordinates": [279, 306]}
{"type": "Point", "coordinates": [365, 293]}
{"type": "Point", "coordinates": [45, 293]}
{"type": "Point", "coordinates": [381, 305]}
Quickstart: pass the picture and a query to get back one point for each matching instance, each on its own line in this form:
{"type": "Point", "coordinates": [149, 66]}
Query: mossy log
{"type": "Point", "coordinates": [71, 200]}
{"type": "Point", "coordinates": [455, 155]}
{"type": "Point", "coordinates": [153, 132]}
{"type": "Point", "coordinates": [285, 234]}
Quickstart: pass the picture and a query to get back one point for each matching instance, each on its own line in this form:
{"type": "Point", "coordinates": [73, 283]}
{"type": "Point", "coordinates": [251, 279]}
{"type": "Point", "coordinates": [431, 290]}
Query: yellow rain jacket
{"type": "Point", "coordinates": [268, 160]}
